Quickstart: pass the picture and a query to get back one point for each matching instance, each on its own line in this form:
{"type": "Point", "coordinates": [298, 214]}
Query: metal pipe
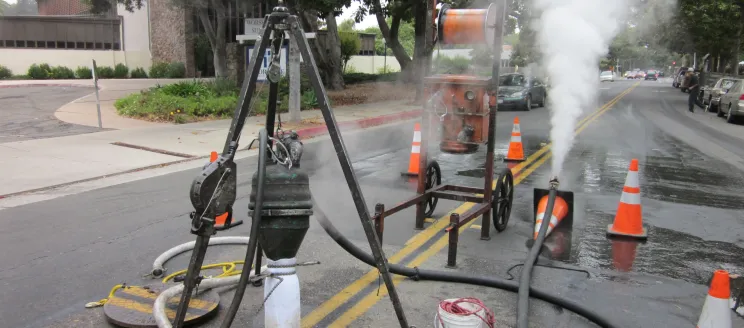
{"type": "Point", "coordinates": [523, 298]}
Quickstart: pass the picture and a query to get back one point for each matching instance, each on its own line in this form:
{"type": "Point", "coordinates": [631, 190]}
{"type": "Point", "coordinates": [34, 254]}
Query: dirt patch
{"type": "Point", "coordinates": [362, 93]}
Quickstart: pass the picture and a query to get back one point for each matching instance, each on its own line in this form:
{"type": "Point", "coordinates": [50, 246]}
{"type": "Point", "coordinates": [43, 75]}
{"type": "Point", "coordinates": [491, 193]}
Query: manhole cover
{"type": "Point", "coordinates": [131, 307]}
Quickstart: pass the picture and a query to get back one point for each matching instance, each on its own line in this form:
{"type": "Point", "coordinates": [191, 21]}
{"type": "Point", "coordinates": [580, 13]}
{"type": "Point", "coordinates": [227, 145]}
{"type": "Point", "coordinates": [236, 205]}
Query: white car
{"type": "Point", "coordinates": [607, 76]}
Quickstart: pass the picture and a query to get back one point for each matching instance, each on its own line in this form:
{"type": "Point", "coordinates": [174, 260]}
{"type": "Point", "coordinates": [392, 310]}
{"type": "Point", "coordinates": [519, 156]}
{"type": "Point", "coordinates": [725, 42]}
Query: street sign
{"type": "Point", "coordinates": [253, 27]}
{"type": "Point", "coordinates": [266, 61]}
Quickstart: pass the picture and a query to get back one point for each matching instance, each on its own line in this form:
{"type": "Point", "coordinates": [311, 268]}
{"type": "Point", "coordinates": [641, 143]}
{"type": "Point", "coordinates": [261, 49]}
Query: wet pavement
{"type": "Point", "coordinates": [691, 207]}
{"type": "Point", "coordinates": [28, 112]}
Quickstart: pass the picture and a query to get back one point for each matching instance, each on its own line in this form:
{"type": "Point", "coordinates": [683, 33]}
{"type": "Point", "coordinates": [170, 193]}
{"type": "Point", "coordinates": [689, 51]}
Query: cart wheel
{"type": "Point", "coordinates": [433, 178]}
{"type": "Point", "coordinates": [503, 195]}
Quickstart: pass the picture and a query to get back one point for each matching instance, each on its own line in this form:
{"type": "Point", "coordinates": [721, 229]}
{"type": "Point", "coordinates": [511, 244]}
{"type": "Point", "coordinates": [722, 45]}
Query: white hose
{"type": "Point", "coordinates": [158, 309]}
{"type": "Point", "coordinates": [157, 267]}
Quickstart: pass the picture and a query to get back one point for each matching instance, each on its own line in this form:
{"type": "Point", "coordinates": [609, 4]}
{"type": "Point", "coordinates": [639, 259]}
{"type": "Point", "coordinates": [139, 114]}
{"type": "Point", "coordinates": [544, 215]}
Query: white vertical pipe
{"type": "Point", "coordinates": [282, 308]}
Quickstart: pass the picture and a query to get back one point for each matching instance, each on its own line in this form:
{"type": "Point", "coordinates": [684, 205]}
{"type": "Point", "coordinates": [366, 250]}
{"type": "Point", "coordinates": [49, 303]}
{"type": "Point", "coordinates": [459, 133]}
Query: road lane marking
{"type": "Point", "coordinates": [327, 307]}
{"type": "Point", "coordinates": [373, 297]}
{"type": "Point", "coordinates": [363, 305]}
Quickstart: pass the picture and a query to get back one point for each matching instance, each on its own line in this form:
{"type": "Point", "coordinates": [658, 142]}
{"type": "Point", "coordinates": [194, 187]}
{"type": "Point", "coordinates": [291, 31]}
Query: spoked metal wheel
{"type": "Point", "coordinates": [433, 179]}
{"type": "Point", "coordinates": [503, 195]}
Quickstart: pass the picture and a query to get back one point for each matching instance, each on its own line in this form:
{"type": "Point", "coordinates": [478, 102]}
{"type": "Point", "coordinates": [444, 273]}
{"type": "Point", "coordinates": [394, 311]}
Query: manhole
{"type": "Point", "coordinates": [131, 307]}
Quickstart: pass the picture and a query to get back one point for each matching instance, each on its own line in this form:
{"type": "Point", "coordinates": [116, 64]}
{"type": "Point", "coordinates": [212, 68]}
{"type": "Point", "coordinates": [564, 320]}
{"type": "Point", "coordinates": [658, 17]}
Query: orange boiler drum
{"type": "Point", "coordinates": [466, 26]}
{"type": "Point", "coordinates": [465, 113]}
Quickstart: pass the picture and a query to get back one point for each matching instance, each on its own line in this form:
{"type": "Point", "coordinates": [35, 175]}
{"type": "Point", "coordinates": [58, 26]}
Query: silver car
{"type": "Point", "coordinates": [732, 102]}
{"type": "Point", "coordinates": [712, 96]}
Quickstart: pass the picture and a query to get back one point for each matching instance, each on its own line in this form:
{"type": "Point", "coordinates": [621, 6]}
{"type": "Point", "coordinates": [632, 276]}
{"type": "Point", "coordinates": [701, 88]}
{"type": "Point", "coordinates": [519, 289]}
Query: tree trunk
{"type": "Point", "coordinates": [216, 38]}
{"type": "Point", "coordinates": [738, 47]}
{"type": "Point", "coordinates": [333, 48]}
{"type": "Point", "coordinates": [390, 33]}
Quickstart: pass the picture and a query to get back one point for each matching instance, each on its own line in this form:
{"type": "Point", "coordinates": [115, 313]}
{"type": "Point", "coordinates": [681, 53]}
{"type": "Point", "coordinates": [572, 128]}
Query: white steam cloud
{"type": "Point", "coordinates": [572, 36]}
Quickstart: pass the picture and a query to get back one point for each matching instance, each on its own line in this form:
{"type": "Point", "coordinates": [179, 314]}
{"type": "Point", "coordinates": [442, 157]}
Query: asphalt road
{"type": "Point", "coordinates": [28, 112]}
{"type": "Point", "coordinates": [71, 250]}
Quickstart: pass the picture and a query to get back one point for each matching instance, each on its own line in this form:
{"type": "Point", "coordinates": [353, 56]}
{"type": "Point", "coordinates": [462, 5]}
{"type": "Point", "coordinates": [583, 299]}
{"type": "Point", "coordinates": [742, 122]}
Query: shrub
{"type": "Point", "coordinates": [156, 104]}
{"type": "Point", "coordinates": [308, 100]}
{"type": "Point", "coordinates": [121, 71]}
{"type": "Point", "coordinates": [5, 72]}
{"type": "Point", "coordinates": [105, 72]}
{"type": "Point", "coordinates": [176, 71]}
{"type": "Point", "coordinates": [61, 72]}
{"type": "Point", "coordinates": [451, 65]}
{"type": "Point", "coordinates": [138, 73]}
{"type": "Point", "coordinates": [353, 78]}
{"type": "Point", "coordinates": [186, 89]}
{"type": "Point", "coordinates": [158, 70]}
{"type": "Point", "coordinates": [39, 71]}
{"type": "Point", "coordinates": [83, 72]}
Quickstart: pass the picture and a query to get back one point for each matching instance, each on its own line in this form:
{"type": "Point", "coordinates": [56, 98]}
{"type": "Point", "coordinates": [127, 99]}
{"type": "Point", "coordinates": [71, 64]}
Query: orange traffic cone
{"type": "Point", "coordinates": [623, 254]}
{"type": "Point", "coordinates": [413, 162]}
{"type": "Point", "coordinates": [220, 221]}
{"type": "Point", "coordinates": [560, 209]}
{"type": "Point", "coordinates": [516, 152]}
{"type": "Point", "coordinates": [628, 221]}
{"type": "Point", "coordinates": [716, 310]}
{"type": "Point", "coordinates": [213, 156]}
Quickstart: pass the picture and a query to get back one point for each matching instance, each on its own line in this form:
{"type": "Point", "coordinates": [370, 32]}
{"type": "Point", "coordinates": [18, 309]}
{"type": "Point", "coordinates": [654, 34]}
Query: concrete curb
{"type": "Point", "coordinates": [306, 133]}
{"type": "Point", "coordinates": [2, 86]}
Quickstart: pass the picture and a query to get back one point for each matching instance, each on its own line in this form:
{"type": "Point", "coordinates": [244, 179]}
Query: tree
{"type": "Point", "coordinates": [3, 6]}
{"type": "Point", "coordinates": [327, 51]}
{"type": "Point", "coordinates": [350, 46]}
{"type": "Point", "coordinates": [406, 38]}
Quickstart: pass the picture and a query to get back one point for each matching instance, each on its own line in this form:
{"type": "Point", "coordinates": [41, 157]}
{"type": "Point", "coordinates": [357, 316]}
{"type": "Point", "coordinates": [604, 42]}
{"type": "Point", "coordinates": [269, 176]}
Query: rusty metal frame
{"type": "Point", "coordinates": [453, 192]}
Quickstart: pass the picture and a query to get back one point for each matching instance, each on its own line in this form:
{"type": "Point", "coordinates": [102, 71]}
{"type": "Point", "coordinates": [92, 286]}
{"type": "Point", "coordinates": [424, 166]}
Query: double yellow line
{"type": "Point", "coordinates": [363, 305]}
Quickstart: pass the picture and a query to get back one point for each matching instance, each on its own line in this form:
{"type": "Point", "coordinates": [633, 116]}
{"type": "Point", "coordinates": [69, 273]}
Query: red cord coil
{"type": "Point", "coordinates": [455, 308]}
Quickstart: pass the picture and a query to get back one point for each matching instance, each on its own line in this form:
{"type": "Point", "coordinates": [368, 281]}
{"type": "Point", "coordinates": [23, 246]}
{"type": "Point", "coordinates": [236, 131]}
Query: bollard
{"type": "Point", "coordinates": [285, 219]}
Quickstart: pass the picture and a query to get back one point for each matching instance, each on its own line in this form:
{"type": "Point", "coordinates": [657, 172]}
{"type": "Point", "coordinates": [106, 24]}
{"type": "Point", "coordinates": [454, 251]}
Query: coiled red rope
{"type": "Point", "coordinates": [455, 308]}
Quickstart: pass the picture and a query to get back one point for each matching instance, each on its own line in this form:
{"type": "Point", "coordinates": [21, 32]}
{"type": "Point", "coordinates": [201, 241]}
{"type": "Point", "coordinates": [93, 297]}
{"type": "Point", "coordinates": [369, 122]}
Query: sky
{"type": "Point", "coordinates": [368, 21]}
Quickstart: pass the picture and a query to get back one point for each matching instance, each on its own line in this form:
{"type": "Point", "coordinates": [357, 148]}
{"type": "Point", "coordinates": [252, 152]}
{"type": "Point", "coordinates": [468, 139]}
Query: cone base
{"type": "Point", "coordinates": [643, 235]}
{"type": "Point", "coordinates": [506, 159]}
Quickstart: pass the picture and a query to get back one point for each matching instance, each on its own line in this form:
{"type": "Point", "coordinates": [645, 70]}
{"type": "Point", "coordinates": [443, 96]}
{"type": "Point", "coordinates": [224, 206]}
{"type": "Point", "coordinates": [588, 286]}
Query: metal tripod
{"type": "Point", "coordinates": [275, 25]}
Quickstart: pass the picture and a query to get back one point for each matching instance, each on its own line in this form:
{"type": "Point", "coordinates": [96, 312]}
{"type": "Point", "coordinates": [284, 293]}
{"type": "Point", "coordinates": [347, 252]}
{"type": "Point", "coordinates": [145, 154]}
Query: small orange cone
{"type": "Point", "coordinates": [623, 254]}
{"type": "Point", "coordinates": [213, 156]}
{"type": "Point", "coordinates": [628, 221]}
{"type": "Point", "coordinates": [516, 152]}
{"type": "Point", "coordinates": [413, 162]}
{"type": "Point", "coordinates": [716, 310]}
{"type": "Point", "coordinates": [560, 209]}
{"type": "Point", "coordinates": [221, 220]}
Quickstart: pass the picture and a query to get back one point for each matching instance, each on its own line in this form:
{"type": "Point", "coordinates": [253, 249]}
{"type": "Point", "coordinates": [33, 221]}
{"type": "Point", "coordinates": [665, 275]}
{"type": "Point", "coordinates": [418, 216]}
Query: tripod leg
{"type": "Point", "coordinates": [346, 167]}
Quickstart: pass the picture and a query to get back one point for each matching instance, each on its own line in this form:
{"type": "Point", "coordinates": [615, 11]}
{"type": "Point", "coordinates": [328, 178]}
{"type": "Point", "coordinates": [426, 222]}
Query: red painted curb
{"type": "Point", "coordinates": [45, 85]}
{"type": "Point", "coordinates": [360, 124]}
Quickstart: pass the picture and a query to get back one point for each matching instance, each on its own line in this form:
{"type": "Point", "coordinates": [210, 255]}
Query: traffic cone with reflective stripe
{"type": "Point", "coordinates": [628, 221]}
{"type": "Point", "coordinates": [716, 310]}
{"type": "Point", "coordinates": [516, 152]}
{"type": "Point", "coordinates": [560, 209]}
{"type": "Point", "coordinates": [413, 162]}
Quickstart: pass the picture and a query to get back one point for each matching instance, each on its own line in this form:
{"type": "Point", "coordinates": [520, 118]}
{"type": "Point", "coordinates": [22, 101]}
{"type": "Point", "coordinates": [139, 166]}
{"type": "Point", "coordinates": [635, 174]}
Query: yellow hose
{"type": "Point", "coordinates": [228, 269]}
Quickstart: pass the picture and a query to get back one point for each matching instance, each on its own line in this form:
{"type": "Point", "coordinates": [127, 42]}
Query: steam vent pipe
{"type": "Point", "coordinates": [285, 219]}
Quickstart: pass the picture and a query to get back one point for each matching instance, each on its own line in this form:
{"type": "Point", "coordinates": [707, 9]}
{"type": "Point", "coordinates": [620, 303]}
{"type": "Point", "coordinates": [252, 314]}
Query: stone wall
{"type": "Point", "coordinates": [172, 34]}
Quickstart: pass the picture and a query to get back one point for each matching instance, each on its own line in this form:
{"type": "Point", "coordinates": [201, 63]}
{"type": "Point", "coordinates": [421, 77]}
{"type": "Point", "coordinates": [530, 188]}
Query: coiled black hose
{"type": "Point", "coordinates": [263, 141]}
{"type": "Point", "coordinates": [444, 276]}
{"type": "Point", "coordinates": [523, 298]}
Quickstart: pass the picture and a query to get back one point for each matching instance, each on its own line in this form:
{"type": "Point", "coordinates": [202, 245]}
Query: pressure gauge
{"type": "Point", "coordinates": [470, 95]}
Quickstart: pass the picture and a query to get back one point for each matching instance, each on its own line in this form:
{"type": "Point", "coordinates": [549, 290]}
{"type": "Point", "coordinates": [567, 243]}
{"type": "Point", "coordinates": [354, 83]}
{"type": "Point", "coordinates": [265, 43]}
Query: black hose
{"type": "Point", "coordinates": [419, 274]}
{"type": "Point", "coordinates": [253, 241]}
{"type": "Point", "coordinates": [523, 298]}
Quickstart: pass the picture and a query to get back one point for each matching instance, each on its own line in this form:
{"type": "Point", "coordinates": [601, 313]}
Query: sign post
{"type": "Point", "coordinates": [98, 100]}
{"type": "Point", "coordinates": [252, 30]}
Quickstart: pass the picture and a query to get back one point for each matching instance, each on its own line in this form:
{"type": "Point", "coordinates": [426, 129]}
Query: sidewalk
{"type": "Point", "coordinates": [44, 163]}
{"type": "Point", "coordinates": [83, 111]}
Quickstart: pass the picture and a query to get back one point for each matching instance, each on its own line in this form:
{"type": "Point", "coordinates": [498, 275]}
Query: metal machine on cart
{"type": "Point", "coordinates": [466, 106]}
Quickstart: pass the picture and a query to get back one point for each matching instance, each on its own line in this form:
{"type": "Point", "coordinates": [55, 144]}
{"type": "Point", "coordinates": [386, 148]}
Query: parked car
{"type": "Point", "coordinates": [732, 102]}
{"type": "Point", "coordinates": [606, 76]}
{"type": "Point", "coordinates": [712, 95]}
{"type": "Point", "coordinates": [519, 92]}
{"type": "Point", "coordinates": [679, 77]}
{"type": "Point", "coordinates": [627, 75]}
{"type": "Point", "coordinates": [651, 75]}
